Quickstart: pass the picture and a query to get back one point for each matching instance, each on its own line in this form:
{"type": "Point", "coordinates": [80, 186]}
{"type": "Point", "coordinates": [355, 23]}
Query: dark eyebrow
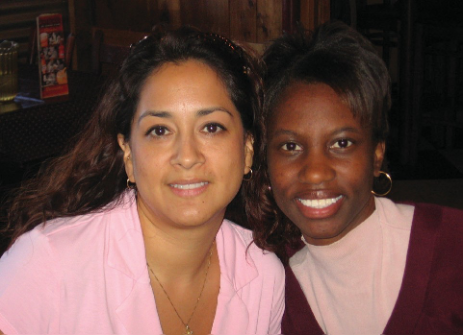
{"type": "Point", "coordinates": [165, 114]}
{"type": "Point", "coordinates": [335, 132]}
{"type": "Point", "coordinates": [159, 114]}
{"type": "Point", "coordinates": [346, 129]}
{"type": "Point", "coordinates": [283, 132]}
{"type": "Point", "coordinates": [207, 111]}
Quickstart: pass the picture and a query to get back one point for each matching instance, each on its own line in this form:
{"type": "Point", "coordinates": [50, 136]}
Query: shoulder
{"type": "Point", "coordinates": [60, 241]}
{"type": "Point", "coordinates": [28, 278]}
{"type": "Point", "coordinates": [240, 241]}
{"type": "Point", "coordinates": [434, 268]}
{"type": "Point", "coordinates": [437, 214]}
{"type": "Point", "coordinates": [245, 237]}
{"type": "Point", "coordinates": [116, 211]}
{"type": "Point", "coordinates": [440, 226]}
{"type": "Point", "coordinates": [395, 215]}
{"type": "Point", "coordinates": [31, 251]}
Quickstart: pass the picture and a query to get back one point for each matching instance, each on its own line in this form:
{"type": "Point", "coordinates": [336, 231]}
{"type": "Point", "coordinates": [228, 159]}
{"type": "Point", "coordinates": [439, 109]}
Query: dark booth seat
{"type": "Point", "coordinates": [41, 131]}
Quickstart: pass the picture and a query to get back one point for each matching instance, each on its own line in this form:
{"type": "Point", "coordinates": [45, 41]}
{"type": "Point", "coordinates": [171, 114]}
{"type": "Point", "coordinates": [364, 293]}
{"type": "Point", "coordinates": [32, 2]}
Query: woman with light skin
{"type": "Point", "coordinates": [356, 263]}
{"type": "Point", "coordinates": [126, 233]}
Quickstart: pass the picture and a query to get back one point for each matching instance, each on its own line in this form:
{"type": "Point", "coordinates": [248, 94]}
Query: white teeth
{"type": "Point", "coordinates": [319, 203]}
{"type": "Point", "coordinates": [189, 186]}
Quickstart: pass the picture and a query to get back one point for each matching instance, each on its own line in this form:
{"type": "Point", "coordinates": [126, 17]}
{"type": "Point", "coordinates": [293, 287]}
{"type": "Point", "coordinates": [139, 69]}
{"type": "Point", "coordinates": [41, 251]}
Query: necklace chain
{"type": "Point", "coordinates": [188, 331]}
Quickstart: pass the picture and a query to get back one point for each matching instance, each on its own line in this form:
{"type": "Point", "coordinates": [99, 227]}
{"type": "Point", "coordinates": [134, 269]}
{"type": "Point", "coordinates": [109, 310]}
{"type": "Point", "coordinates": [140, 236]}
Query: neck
{"type": "Point", "coordinates": [178, 254]}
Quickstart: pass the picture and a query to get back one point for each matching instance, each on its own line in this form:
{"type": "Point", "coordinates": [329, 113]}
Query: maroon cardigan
{"type": "Point", "coordinates": [430, 299]}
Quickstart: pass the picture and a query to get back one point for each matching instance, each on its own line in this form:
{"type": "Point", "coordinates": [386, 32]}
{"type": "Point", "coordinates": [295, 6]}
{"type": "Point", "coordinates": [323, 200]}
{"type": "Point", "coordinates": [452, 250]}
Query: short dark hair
{"type": "Point", "coordinates": [339, 56]}
{"type": "Point", "coordinates": [335, 55]}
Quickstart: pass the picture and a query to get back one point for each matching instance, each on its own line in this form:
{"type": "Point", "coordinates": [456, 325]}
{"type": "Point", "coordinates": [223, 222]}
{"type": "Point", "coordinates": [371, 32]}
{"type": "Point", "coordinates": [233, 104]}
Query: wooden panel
{"type": "Point", "coordinates": [120, 37]}
{"type": "Point", "coordinates": [170, 12]}
{"type": "Point", "coordinates": [269, 20]}
{"type": "Point", "coordinates": [243, 20]}
{"type": "Point", "coordinates": [207, 15]}
{"type": "Point", "coordinates": [136, 15]}
{"type": "Point", "coordinates": [308, 13]}
{"type": "Point", "coordinates": [217, 17]}
{"type": "Point", "coordinates": [323, 12]}
{"type": "Point", "coordinates": [81, 20]}
{"type": "Point", "coordinates": [314, 13]}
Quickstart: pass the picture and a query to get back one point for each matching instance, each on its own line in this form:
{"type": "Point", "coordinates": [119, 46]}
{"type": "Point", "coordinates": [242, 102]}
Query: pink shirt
{"type": "Point", "coordinates": [88, 275]}
{"type": "Point", "coordinates": [352, 285]}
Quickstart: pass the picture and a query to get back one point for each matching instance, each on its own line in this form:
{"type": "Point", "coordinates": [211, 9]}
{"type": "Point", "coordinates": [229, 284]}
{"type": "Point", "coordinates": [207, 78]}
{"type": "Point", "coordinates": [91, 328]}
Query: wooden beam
{"type": "Point", "coordinates": [268, 20]}
{"type": "Point", "coordinates": [323, 12]}
{"type": "Point", "coordinates": [243, 20]}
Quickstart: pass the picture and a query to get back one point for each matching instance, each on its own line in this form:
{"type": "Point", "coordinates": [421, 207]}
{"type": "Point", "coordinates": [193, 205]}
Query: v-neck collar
{"type": "Point", "coordinates": [126, 254]}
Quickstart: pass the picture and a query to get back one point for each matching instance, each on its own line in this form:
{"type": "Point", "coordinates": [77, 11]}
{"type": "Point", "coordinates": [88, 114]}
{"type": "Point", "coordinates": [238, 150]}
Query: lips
{"type": "Point", "coordinates": [189, 185]}
{"type": "Point", "coordinates": [188, 189]}
{"type": "Point", "coordinates": [317, 208]}
{"type": "Point", "coordinates": [319, 203]}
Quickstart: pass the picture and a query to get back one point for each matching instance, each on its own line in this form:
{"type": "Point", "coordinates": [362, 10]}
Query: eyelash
{"type": "Point", "coordinates": [154, 131]}
{"type": "Point", "coordinates": [337, 144]}
{"type": "Point", "coordinates": [285, 147]}
{"type": "Point", "coordinates": [219, 128]}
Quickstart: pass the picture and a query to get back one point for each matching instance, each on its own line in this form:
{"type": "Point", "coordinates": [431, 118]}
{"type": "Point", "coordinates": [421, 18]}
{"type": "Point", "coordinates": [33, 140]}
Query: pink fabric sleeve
{"type": "Point", "coordinates": [29, 287]}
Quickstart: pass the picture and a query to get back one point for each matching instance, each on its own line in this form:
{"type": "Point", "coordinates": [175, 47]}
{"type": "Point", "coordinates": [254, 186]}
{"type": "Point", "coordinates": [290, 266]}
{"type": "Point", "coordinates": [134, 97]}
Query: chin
{"type": "Point", "coordinates": [198, 219]}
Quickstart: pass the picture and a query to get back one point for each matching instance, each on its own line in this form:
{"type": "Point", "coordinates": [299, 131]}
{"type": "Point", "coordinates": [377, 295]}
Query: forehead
{"type": "Point", "coordinates": [191, 83]}
{"type": "Point", "coordinates": [311, 106]}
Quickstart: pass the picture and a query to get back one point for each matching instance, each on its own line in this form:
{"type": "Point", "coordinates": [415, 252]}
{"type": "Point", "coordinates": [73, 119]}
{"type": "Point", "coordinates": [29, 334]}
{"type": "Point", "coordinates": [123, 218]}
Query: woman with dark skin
{"type": "Point", "coordinates": [356, 263]}
{"type": "Point", "coordinates": [126, 233]}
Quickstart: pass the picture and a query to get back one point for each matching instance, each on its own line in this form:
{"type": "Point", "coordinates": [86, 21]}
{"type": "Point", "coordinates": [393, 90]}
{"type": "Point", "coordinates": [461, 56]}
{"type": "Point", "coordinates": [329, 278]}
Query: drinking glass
{"type": "Point", "coordinates": [8, 70]}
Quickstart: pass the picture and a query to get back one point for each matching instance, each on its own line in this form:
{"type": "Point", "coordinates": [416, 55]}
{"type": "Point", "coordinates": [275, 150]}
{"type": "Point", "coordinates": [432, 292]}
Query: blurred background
{"type": "Point", "coordinates": [420, 41]}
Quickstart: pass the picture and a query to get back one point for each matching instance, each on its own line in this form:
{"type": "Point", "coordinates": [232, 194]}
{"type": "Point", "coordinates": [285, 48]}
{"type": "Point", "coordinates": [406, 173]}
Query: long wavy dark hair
{"type": "Point", "coordinates": [92, 175]}
{"type": "Point", "coordinates": [336, 55]}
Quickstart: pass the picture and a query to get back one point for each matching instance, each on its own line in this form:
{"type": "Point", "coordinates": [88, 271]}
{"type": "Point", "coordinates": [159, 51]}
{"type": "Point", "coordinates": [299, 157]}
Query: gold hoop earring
{"type": "Point", "coordinates": [250, 173]}
{"type": "Point", "coordinates": [389, 188]}
{"type": "Point", "coordinates": [129, 185]}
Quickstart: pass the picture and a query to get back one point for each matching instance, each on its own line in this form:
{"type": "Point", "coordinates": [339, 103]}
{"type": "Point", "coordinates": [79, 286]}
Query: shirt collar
{"type": "Point", "coordinates": [126, 248]}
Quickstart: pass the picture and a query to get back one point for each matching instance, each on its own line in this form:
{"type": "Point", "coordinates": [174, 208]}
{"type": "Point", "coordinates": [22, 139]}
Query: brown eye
{"type": "Point", "coordinates": [291, 147]}
{"type": "Point", "coordinates": [159, 131]}
{"type": "Point", "coordinates": [343, 143]}
{"type": "Point", "coordinates": [213, 128]}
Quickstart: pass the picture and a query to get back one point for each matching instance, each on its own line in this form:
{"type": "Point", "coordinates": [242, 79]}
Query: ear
{"type": "Point", "coordinates": [379, 154]}
{"type": "Point", "coordinates": [248, 154]}
{"type": "Point", "coordinates": [127, 157]}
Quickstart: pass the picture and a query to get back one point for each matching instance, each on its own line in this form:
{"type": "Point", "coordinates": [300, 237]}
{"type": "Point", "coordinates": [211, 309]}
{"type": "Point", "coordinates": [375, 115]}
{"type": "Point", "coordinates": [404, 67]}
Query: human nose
{"type": "Point", "coordinates": [188, 152]}
{"type": "Point", "coordinates": [317, 168]}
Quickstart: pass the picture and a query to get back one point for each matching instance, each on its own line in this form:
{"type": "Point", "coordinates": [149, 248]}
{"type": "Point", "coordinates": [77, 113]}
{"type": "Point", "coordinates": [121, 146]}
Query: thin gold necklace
{"type": "Point", "coordinates": [188, 330]}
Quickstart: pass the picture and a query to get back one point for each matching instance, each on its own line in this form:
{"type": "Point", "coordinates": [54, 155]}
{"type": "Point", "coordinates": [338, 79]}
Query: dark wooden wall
{"type": "Point", "coordinates": [247, 20]}
{"type": "Point", "coordinates": [253, 21]}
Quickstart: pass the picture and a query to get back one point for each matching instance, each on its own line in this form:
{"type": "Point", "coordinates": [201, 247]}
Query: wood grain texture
{"type": "Point", "coordinates": [308, 12]}
{"type": "Point", "coordinates": [243, 20]}
{"type": "Point", "coordinates": [314, 13]}
{"type": "Point", "coordinates": [323, 12]}
{"type": "Point", "coordinates": [207, 15]}
{"type": "Point", "coordinates": [268, 20]}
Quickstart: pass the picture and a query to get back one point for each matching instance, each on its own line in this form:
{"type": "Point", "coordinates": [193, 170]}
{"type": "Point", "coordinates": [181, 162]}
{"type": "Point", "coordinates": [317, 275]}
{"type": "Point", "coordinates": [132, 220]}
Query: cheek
{"type": "Point", "coordinates": [280, 182]}
{"type": "Point", "coordinates": [226, 159]}
{"type": "Point", "coordinates": [356, 175]}
{"type": "Point", "coordinates": [147, 162]}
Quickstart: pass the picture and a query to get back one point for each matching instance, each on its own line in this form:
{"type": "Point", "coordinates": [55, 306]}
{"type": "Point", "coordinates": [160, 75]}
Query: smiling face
{"type": "Point", "coordinates": [187, 151]}
{"type": "Point", "coordinates": [321, 162]}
